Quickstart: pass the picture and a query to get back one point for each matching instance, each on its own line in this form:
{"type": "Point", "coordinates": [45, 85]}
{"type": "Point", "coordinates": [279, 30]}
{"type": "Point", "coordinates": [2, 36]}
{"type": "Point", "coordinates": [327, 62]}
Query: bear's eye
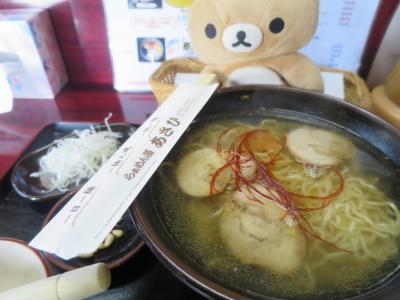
{"type": "Point", "coordinates": [211, 31]}
{"type": "Point", "coordinates": [276, 25]}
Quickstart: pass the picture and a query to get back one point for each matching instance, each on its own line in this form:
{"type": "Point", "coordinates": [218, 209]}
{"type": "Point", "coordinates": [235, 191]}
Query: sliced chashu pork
{"type": "Point", "coordinates": [259, 234]}
{"type": "Point", "coordinates": [319, 147]}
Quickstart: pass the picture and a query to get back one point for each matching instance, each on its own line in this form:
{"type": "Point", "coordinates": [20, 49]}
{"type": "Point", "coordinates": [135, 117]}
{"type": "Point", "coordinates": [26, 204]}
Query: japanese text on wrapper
{"type": "Point", "coordinates": [158, 141]}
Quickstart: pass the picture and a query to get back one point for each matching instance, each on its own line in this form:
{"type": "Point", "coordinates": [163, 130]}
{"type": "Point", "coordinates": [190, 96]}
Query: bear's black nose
{"type": "Point", "coordinates": [241, 35]}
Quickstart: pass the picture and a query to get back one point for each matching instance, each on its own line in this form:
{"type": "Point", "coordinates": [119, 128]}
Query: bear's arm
{"type": "Point", "coordinates": [298, 71]}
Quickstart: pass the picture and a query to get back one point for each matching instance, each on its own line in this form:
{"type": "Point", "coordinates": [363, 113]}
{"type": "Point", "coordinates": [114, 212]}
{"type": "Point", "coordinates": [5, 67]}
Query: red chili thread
{"type": "Point", "coordinates": [240, 152]}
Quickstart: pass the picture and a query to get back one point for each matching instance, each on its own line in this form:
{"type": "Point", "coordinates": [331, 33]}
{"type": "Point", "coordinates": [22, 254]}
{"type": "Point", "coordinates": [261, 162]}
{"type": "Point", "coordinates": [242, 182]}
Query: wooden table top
{"type": "Point", "coordinates": [19, 127]}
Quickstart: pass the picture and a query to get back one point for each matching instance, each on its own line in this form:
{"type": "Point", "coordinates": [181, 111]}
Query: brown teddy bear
{"type": "Point", "coordinates": [256, 41]}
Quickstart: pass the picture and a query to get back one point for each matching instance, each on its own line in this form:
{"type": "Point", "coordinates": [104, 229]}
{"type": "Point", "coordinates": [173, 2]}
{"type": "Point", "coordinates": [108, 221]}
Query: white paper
{"type": "Point", "coordinates": [334, 84]}
{"type": "Point", "coordinates": [143, 36]}
{"type": "Point", "coordinates": [343, 29]}
{"type": "Point", "coordinates": [6, 95]}
{"type": "Point", "coordinates": [186, 78]}
{"type": "Point", "coordinates": [92, 213]}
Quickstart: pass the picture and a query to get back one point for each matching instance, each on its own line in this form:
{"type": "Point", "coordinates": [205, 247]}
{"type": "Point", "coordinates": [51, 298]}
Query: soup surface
{"type": "Point", "coordinates": [275, 207]}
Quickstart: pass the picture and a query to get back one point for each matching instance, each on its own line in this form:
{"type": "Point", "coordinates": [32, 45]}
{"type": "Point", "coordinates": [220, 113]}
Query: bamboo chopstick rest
{"type": "Point", "coordinates": [77, 284]}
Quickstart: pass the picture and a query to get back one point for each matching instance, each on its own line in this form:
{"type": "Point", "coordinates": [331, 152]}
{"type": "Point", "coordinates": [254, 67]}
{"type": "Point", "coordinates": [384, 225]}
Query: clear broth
{"type": "Point", "coordinates": [194, 225]}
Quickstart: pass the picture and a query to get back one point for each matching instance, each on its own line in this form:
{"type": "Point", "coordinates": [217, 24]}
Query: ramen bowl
{"type": "Point", "coordinates": [369, 133]}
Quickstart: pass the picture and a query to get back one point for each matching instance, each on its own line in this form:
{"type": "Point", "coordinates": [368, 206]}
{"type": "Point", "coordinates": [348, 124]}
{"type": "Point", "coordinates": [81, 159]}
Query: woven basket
{"type": "Point", "coordinates": [162, 81]}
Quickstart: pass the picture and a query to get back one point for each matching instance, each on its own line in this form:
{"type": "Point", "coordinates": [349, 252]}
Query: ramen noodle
{"type": "Point", "coordinates": [280, 208]}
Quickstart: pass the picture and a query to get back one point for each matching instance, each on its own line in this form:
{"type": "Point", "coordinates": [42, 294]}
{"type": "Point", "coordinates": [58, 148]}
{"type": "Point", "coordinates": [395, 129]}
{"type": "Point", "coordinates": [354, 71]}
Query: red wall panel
{"type": "Point", "coordinates": [381, 24]}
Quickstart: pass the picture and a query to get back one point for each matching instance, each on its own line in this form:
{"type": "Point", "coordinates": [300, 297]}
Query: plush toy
{"type": "Point", "coordinates": [256, 41]}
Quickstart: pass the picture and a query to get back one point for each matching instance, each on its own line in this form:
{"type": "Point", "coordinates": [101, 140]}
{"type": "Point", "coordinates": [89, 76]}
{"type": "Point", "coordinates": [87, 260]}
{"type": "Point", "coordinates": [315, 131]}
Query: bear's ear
{"type": "Point", "coordinates": [180, 3]}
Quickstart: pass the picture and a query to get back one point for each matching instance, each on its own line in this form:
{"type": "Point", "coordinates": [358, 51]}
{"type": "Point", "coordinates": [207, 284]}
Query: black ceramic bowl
{"type": "Point", "coordinates": [32, 188]}
{"type": "Point", "coordinates": [282, 102]}
{"type": "Point", "coordinates": [121, 250]}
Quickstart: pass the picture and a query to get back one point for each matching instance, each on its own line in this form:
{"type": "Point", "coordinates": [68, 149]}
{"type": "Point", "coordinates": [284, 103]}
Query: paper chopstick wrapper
{"type": "Point", "coordinates": [76, 284]}
{"type": "Point", "coordinates": [92, 213]}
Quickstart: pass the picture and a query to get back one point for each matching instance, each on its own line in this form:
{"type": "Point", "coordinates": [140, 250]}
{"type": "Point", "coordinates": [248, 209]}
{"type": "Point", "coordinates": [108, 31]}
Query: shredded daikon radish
{"type": "Point", "coordinates": [75, 159]}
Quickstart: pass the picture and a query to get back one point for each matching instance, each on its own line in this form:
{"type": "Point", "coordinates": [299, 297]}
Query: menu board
{"type": "Point", "coordinates": [342, 33]}
{"type": "Point", "coordinates": [144, 33]}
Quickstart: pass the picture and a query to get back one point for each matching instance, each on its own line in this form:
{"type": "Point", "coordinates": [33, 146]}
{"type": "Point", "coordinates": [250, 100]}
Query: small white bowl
{"type": "Point", "coordinates": [20, 264]}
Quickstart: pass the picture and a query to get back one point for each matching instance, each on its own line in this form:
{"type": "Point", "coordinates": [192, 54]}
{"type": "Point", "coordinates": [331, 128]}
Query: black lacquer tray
{"type": "Point", "coordinates": [142, 277]}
